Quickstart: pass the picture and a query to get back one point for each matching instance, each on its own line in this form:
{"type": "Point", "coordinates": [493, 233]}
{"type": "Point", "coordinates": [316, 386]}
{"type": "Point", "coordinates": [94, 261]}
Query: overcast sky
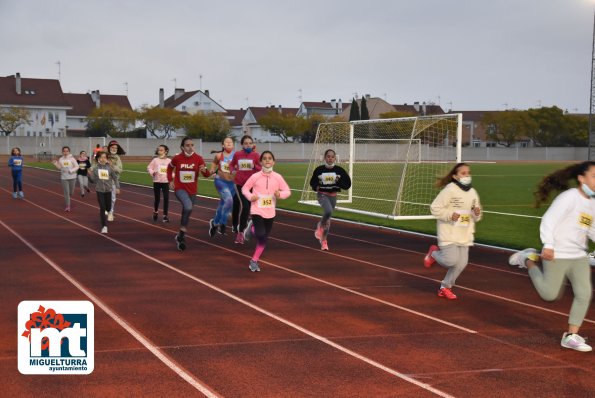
{"type": "Point", "coordinates": [464, 54]}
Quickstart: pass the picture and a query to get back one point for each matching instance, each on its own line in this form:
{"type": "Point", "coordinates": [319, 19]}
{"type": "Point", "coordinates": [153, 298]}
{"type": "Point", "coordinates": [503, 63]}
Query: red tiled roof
{"type": "Point", "coordinates": [172, 102]}
{"type": "Point", "coordinates": [82, 104]}
{"type": "Point", "coordinates": [42, 92]}
{"type": "Point", "coordinates": [260, 111]}
{"type": "Point", "coordinates": [237, 114]}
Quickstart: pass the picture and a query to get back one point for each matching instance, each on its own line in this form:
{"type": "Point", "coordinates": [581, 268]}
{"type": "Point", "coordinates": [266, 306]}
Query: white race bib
{"type": "Point", "coordinates": [103, 174]}
{"type": "Point", "coordinates": [245, 164]}
{"type": "Point", "coordinates": [187, 177]}
{"type": "Point", "coordinates": [585, 221]}
{"type": "Point", "coordinates": [464, 218]}
{"type": "Point", "coordinates": [265, 202]}
{"type": "Point", "coordinates": [224, 167]}
{"type": "Point", "coordinates": [17, 162]}
{"type": "Point", "coordinates": [65, 163]}
{"type": "Point", "coordinates": [162, 169]}
{"type": "Point", "coordinates": [328, 178]}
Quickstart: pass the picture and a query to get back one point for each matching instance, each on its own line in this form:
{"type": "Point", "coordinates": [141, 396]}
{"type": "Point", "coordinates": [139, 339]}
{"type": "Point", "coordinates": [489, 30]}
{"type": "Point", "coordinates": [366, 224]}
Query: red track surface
{"type": "Point", "coordinates": [362, 320]}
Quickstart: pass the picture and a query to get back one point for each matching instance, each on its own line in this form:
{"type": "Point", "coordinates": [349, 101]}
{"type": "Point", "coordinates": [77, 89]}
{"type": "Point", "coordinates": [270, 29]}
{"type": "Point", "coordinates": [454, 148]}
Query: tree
{"type": "Point", "coordinates": [354, 111]}
{"type": "Point", "coordinates": [12, 118]}
{"type": "Point", "coordinates": [160, 122]}
{"type": "Point", "coordinates": [364, 114]}
{"type": "Point", "coordinates": [210, 127]}
{"type": "Point", "coordinates": [577, 130]}
{"type": "Point", "coordinates": [110, 119]}
{"type": "Point", "coordinates": [508, 127]}
{"type": "Point", "coordinates": [287, 127]}
{"type": "Point", "coordinates": [553, 128]}
{"type": "Point", "coordinates": [314, 121]}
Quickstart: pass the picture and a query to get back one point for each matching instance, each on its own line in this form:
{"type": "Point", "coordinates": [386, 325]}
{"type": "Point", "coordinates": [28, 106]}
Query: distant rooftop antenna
{"type": "Point", "coordinates": [59, 72]}
{"type": "Point", "coordinates": [175, 83]}
{"type": "Point", "coordinates": [300, 96]}
{"type": "Point", "coordinates": [200, 82]}
{"type": "Point", "coordinates": [126, 86]}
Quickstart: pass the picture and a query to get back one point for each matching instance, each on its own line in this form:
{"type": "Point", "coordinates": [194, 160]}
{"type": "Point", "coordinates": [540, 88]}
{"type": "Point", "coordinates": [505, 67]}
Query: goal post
{"type": "Point", "coordinates": [393, 163]}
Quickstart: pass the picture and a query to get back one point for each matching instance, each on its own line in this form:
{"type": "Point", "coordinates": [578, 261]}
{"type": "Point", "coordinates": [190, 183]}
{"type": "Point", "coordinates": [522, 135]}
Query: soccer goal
{"type": "Point", "coordinates": [393, 163]}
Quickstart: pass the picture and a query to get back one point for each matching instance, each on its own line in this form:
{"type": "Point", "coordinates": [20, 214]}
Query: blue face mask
{"type": "Point", "coordinates": [587, 191]}
{"type": "Point", "coordinates": [248, 150]}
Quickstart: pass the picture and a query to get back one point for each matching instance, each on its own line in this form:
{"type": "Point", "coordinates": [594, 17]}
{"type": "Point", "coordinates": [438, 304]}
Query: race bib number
{"type": "Point", "coordinates": [66, 163]}
{"type": "Point", "coordinates": [162, 169]}
{"type": "Point", "coordinates": [187, 177]}
{"type": "Point", "coordinates": [245, 164]}
{"type": "Point", "coordinates": [224, 167]}
{"type": "Point", "coordinates": [464, 218]}
{"type": "Point", "coordinates": [82, 166]}
{"type": "Point", "coordinates": [103, 174]}
{"type": "Point", "coordinates": [266, 201]}
{"type": "Point", "coordinates": [17, 162]}
{"type": "Point", "coordinates": [328, 178]}
{"type": "Point", "coordinates": [585, 221]}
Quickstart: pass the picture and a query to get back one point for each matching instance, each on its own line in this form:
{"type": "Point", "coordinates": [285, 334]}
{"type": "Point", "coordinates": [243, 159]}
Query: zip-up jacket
{"type": "Point", "coordinates": [158, 169]}
{"type": "Point", "coordinates": [264, 185]}
{"type": "Point", "coordinates": [104, 177]}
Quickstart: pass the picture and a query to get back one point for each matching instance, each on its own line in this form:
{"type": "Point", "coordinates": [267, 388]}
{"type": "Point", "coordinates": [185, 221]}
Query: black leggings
{"type": "Point", "coordinates": [105, 205]}
{"type": "Point", "coordinates": [241, 210]}
{"type": "Point", "coordinates": [159, 187]}
{"type": "Point", "coordinates": [262, 228]}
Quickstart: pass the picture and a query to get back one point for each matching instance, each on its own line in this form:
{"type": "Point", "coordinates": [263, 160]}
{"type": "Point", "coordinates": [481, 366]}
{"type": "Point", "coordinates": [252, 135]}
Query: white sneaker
{"type": "Point", "coordinates": [518, 259]}
{"type": "Point", "coordinates": [110, 216]}
{"type": "Point", "coordinates": [104, 230]}
{"type": "Point", "coordinates": [591, 257]}
{"type": "Point", "coordinates": [575, 342]}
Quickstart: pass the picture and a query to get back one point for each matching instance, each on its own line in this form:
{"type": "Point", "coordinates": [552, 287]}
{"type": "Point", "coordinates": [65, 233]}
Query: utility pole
{"type": "Point", "coordinates": [591, 154]}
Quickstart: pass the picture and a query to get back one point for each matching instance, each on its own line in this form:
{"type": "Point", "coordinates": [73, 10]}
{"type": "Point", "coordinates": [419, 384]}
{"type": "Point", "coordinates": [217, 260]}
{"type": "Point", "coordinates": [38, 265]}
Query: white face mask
{"type": "Point", "coordinates": [267, 169]}
{"type": "Point", "coordinates": [465, 180]}
{"type": "Point", "coordinates": [113, 151]}
{"type": "Point", "coordinates": [587, 191]}
{"type": "Point", "coordinates": [329, 165]}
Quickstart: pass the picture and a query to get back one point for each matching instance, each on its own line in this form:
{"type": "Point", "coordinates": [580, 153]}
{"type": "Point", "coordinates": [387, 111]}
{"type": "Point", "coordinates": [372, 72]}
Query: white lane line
{"type": "Point", "coordinates": [163, 357]}
{"type": "Point", "coordinates": [278, 318]}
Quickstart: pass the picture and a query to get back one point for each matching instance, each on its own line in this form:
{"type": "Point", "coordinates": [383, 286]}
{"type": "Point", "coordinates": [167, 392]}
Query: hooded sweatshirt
{"type": "Point", "coordinates": [264, 186]}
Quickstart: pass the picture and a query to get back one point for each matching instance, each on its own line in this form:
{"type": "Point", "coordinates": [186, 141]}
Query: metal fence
{"type": "Point", "coordinates": [45, 148]}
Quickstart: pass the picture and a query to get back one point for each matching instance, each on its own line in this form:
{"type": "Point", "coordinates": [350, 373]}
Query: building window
{"type": "Point", "coordinates": [196, 103]}
{"type": "Point", "coordinates": [476, 144]}
{"type": "Point", "coordinates": [183, 107]}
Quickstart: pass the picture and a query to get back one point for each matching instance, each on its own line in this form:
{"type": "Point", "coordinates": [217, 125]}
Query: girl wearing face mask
{"type": "Point", "coordinates": [457, 209]}
{"type": "Point", "coordinates": [243, 165]}
{"type": "Point", "coordinates": [565, 229]}
{"type": "Point", "coordinates": [224, 185]}
{"type": "Point", "coordinates": [104, 177]}
{"type": "Point", "coordinates": [327, 181]}
{"type": "Point", "coordinates": [68, 167]}
{"type": "Point", "coordinates": [182, 174]}
{"type": "Point", "coordinates": [84, 165]}
{"type": "Point", "coordinates": [262, 190]}
{"type": "Point", "coordinates": [158, 171]}
{"type": "Point", "coordinates": [113, 158]}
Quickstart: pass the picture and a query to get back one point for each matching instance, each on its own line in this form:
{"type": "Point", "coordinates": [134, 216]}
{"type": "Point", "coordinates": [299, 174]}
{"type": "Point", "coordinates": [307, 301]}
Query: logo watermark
{"type": "Point", "coordinates": [56, 337]}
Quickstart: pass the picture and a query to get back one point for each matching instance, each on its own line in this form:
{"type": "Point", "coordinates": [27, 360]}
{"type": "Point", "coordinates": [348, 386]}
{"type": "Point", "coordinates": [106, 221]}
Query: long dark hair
{"type": "Point", "coordinates": [184, 141]}
{"type": "Point", "coordinates": [246, 137]}
{"type": "Point", "coordinates": [447, 179]}
{"type": "Point", "coordinates": [164, 147]}
{"type": "Point", "coordinates": [269, 152]}
{"type": "Point", "coordinates": [222, 147]}
{"type": "Point", "coordinates": [559, 180]}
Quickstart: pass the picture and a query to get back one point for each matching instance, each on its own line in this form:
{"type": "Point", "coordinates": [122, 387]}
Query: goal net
{"type": "Point", "coordinates": [393, 163]}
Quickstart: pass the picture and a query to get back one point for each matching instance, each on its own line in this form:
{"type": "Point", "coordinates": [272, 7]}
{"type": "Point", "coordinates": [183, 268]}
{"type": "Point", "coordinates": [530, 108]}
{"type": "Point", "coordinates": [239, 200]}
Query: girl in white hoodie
{"type": "Point", "coordinates": [68, 167]}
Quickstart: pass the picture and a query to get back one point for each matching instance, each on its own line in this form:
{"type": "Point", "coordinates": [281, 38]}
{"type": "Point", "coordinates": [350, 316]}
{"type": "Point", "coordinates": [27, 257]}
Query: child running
{"type": "Point", "coordinates": [84, 165]}
{"type": "Point", "coordinates": [113, 158]}
{"type": "Point", "coordinates": [456, 209]}
{"type": "Point", "coordinates": [182, 174]}
{"type": "Point", "coordinates": [263, 189]}
{"type": "Point", "coordinates": [15, 162]}
{"type": "Point", "coordinates": [104, 177]}
{"type": "Point", "coordinates": [158, 171]}
{"type": "Point", "coordinates": [327, 181]}
{"type": "Point", "coordinates": [224, 185]}
{"type": "Point", "coordinates": [565, 229]}
{"type": "Point", "coordinates": [68, 168]}
{"type": "Point", "coordinates": [243, 165]}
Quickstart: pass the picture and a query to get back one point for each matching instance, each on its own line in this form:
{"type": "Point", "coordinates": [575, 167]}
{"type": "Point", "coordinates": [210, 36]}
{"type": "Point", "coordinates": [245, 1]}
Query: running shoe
{"type": "Point", "coordinates": [165, 218]}
{"type": "Point", "coordinates": [14, 195]}
{"type": "Point", "coordinates": [518, 259]}
{"type": "Point", "coordinates": [181, 241]}
{"type": "Point", "coordinates": [21, 195]}
{"type": "Point", "coordinates": [446, 293]}
{"type": "Point", "coordinates": [239, 238]}
{"type": "Point", "coordinates": [318, 232]}
{"type": "Point", "coordinates": [324, 245]}
{"type": "Point", "coordinates": [254, 266]}
{"type": "Point", "coordinates": [155, 216]}
{"type": "Point", "coordinates": [212, 228]}
{"type": "Point", "coordinates": [110, 216]}
{"type": "Point", "coordinates": [222, 229]}
{"type": "Point", "coordinates": [248, 231]}
{"type": "Point", "coordinates": [67, 208]}
{"type": "Point", "coordinates": [104, 230]}
{"type": "Point", "coordinates": [575, 342]}
{"type": "Point", "coordinates": [428, 259]}
{"type": "Point", "coordinates": [234, 229]}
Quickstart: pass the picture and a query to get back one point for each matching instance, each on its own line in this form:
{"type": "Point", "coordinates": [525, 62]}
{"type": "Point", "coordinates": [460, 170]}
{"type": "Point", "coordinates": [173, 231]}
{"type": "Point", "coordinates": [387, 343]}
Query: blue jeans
{"type": "Point", "coordinates": [17, 180]}
{"type": "Point", "coordinates": [187, 202]}
{"type": "Point", "coordinates": [226, 190]}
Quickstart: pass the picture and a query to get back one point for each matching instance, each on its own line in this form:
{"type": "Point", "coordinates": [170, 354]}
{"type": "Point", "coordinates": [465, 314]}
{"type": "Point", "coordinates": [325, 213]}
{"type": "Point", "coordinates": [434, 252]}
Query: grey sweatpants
{"type": "Point", "coordinates": [328, 204]}
{"type": "Point", "coordinates": [68, 189]}
{"type": "Point", "coordinates": [549, 284]}
{"type": "Point", "coordinates": [454, 258]}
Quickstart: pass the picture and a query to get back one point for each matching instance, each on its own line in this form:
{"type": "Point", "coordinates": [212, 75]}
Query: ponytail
{"type": "Point", "coordinates": [559, 180]}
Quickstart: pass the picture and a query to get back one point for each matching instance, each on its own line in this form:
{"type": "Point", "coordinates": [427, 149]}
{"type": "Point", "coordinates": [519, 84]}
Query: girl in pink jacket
{"type": "Point", "coordinates": [263, 189]}
{"type": "Point", "coordinates": [158, 170]}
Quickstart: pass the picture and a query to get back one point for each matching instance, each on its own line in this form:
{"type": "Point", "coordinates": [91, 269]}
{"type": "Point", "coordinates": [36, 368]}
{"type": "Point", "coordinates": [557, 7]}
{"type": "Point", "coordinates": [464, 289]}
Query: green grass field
{"type": "Point", "coordinates": [503, 188]}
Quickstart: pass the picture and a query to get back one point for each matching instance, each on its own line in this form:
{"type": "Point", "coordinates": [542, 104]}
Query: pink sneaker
{"type": "Point", "coordinates": [446, 293]}
{"type": "Point", "coordinates": [324, 245]}
{"type": "Point", "coordinates": [318, 232]}
{"type": "Point", "coordinates": [240, 238]}
{"type": "Point", "coordinates": [67, 208]}
{"type": "Point", "coordinates": [428, 259]}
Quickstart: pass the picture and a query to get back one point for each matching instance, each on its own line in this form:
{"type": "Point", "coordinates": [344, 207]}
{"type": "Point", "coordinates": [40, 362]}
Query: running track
{"type": "Point", "coordinates": [359, 321]}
